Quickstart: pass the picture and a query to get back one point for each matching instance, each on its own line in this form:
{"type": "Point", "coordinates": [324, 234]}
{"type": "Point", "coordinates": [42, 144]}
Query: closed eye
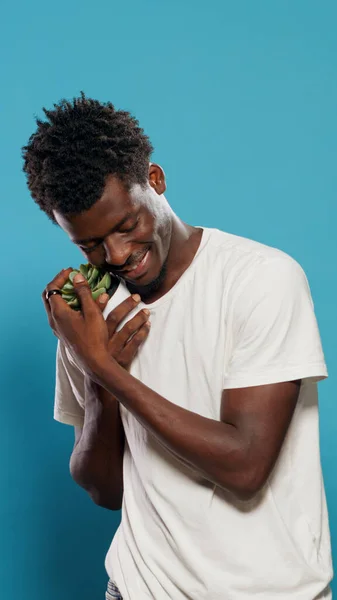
{"type": "Point", "coordinates": [88, 250]}
{"type": "Point", "coordinates": [130, 228]}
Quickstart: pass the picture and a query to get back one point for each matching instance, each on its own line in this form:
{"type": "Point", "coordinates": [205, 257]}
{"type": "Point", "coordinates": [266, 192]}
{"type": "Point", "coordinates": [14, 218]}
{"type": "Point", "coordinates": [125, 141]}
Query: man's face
{"type": "Point", "coordinates": [127, 232]}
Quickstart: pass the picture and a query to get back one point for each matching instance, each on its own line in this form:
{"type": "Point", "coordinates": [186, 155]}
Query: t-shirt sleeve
{"type": "Point", "coordinates": [275, 336]}
{"type": "Point", "coordinates": [69, 389]}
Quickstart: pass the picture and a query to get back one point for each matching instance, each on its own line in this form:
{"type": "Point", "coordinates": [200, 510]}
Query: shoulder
{"type": "Point", "coordinates": [243, 261]}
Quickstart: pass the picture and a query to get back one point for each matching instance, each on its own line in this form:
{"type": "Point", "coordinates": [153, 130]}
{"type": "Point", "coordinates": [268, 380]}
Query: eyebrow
{"type": "Point", "coordinates": [117, 226]}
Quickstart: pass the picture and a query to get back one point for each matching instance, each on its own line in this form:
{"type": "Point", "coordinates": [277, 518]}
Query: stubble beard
{"type": "Point", "coordinates": [146, 291]}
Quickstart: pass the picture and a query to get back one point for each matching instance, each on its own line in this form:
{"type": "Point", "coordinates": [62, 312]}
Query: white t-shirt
{"type": "Point", "coordinates": [241, 315]}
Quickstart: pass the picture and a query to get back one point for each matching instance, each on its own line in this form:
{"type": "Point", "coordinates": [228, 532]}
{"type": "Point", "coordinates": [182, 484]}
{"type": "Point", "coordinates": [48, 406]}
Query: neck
{"type": "Point", "coordinates": [185, 241]}
{"type": "Point", "coordinates": [184, 244]}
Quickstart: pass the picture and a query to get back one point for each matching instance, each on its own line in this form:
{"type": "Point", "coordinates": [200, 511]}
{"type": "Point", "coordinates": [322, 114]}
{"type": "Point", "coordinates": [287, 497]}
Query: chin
{"type": "Point", "coordinates": [146, 289]}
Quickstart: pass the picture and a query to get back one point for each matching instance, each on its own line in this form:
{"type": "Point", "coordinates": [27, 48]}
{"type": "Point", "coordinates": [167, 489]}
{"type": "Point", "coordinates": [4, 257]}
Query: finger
{"type": "Point", "coordinates": [83, 291]}
{"type": "Point", "coordinates": [119, 339]}
{"type": "Point", "coordinates": [116, 316]}
{"type": "Point", "coordinates": [47, 309]}
{"type": "Point", "coordinates": [102, 301]}
{"type": "Point", "coordinates": [58, 282]}
{"type": "Point", "coordinates": [57, 306]}
{"type": "Point", "coordinates": [54, 284]}
{"type": "Point", "coordinates": [130, 350]}
{"type": "Point", "coordinates": [133, 325]}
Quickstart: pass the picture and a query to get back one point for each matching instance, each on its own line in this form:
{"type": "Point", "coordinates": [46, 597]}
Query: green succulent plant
{"type": "Point", "coordinates": [99, 283]}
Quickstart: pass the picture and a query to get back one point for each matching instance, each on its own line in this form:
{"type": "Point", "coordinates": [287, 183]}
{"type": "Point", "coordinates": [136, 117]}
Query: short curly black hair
{"type": "Point", "coordinates": [71, 154]}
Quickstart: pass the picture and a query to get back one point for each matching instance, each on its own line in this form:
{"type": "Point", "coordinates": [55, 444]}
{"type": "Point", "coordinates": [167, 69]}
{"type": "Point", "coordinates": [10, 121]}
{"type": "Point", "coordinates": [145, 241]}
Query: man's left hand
{"type": "Point", "coordinates": [84, 332]}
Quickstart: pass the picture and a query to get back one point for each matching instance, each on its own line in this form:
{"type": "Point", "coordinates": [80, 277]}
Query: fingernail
{"type": "Point", "coordinates": [103, 298]}
{"type": "Point", "coordinates": [147, 312]}
{"type": "Point", "coordinates": [78, 278]}
{"type": "Point", "coordinates": [136, 297]}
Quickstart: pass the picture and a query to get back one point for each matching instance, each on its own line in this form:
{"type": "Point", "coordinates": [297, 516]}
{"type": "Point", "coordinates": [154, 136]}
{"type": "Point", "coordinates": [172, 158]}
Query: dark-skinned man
{"type": "Point", "coordinates": [194, 395]}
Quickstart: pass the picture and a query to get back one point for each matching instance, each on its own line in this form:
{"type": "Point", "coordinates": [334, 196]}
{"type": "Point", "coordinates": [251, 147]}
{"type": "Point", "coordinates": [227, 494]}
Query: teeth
{"type": "Point", "coordinates": [134, 268]}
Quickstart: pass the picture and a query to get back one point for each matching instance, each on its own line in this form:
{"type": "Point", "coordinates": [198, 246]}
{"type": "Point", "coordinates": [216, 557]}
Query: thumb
{"type": "Point", "coordinates": [83, 292]}
{"type": "Point", "coordinates": [102, 301]}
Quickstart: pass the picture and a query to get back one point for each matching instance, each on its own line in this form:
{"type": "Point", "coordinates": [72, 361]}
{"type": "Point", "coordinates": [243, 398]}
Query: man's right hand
{"type": "Point", "coordinates": [124, 344]}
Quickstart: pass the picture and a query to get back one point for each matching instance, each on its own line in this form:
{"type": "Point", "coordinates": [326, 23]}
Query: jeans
{"type": "Point", "coordinates": [112, 592]}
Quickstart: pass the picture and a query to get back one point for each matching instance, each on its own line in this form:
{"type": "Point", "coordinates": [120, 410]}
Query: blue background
{"type": "Point", "coordinates": [239, 99]}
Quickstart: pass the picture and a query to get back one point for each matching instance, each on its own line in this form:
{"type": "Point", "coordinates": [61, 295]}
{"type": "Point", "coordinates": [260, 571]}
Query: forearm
{"type": "Point", "coordinates": [212, 448]}
{"type": "Point", "coordinates": [97, 460]}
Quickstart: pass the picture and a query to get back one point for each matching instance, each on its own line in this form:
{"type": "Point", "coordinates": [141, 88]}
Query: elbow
{"type": "Point", "coordinates": [99, 494]}
{"type": "Point", "coordinates": [108, 502]}
{"type": "Point", "coordinates": [249, 485]}
{"type": "Point", "coordinates": [246, 494]}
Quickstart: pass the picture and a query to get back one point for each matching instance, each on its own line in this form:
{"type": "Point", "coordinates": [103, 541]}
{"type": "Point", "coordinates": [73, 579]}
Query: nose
{"type": "Point", "coordinates": [116, 252]}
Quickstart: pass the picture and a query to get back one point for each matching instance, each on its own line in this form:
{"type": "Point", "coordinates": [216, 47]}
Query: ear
{"type": "Point", "coordinates": [157, 178]}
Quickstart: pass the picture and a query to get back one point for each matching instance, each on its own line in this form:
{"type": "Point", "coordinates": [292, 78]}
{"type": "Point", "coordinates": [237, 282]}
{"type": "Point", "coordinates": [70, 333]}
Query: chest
{"type": "Point", "coordinates": [185, 355]}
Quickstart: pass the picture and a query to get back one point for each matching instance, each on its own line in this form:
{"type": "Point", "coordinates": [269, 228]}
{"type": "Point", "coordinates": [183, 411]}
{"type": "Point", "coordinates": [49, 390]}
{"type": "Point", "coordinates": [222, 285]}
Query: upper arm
{"type": "Point", "coordinates": [275, 344]}
{"type": "Point", "coordinates": [261, 415]}
{"type": "Point", "coordinates": [69, 389]}
{"type": "Point", "coordinates": [273, 329]}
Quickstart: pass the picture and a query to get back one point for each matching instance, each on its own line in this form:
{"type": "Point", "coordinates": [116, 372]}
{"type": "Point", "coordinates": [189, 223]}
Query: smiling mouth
{"type": "Point", "coordinates": [138, 269]}
{"type": "Point", "coordinates": [136, 265]}
{"type": "Point", "coordinates": [134, 269]}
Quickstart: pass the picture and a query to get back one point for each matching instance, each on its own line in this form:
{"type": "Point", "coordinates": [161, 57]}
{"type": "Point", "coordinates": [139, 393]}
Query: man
{"type": "Point", "coordinates": [204, 426]}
